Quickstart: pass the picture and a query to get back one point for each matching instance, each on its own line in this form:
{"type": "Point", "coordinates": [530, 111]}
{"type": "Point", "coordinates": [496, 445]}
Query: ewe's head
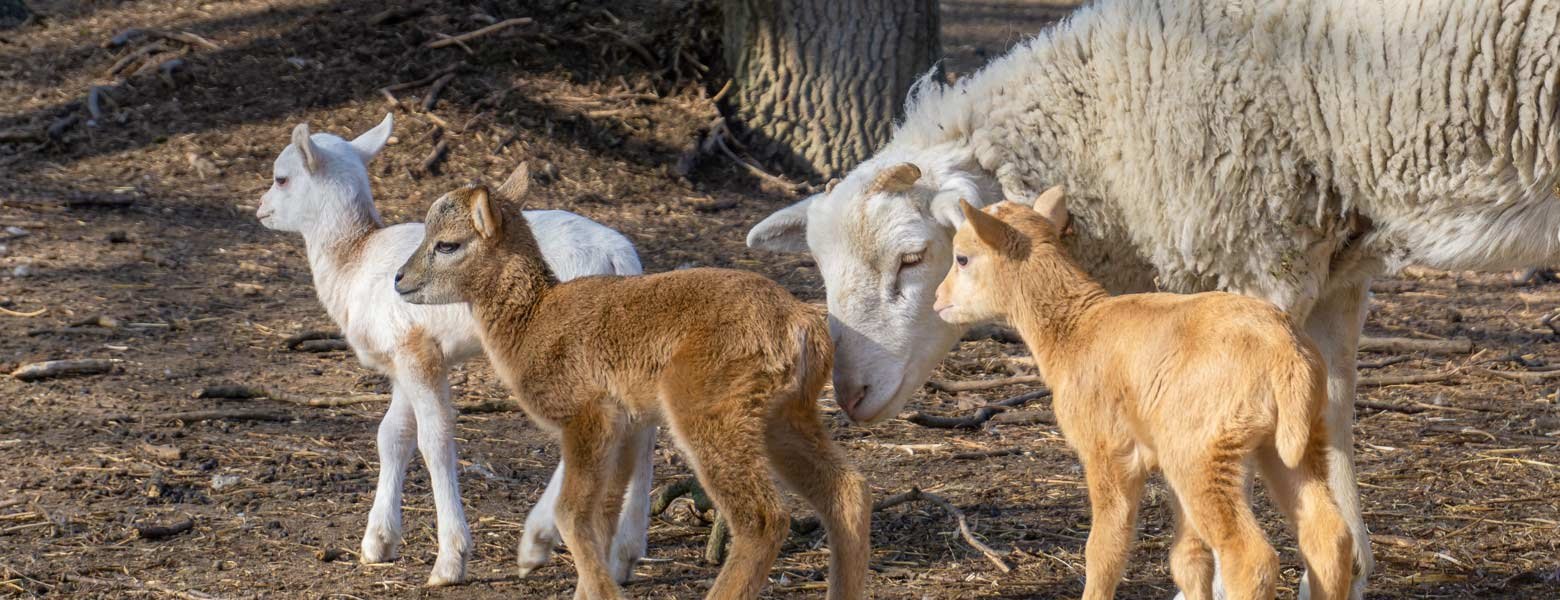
{"type": "Point", "coordinates": [881, 241]}
{"type": "Point", "coordinates": [319, 172]}
{"type": "Point", "coordinates": [988, 250]}
{"type": "Point", "coordinates": [465, 232]}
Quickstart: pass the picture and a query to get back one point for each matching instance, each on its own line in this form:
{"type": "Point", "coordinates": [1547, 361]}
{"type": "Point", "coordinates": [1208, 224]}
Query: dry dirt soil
{"type": "Point", "coordinates": [134, 231]}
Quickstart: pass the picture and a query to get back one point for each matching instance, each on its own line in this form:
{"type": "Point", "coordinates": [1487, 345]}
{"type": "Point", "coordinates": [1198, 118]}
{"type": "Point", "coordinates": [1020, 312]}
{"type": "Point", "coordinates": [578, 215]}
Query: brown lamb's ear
{"type": "Point", "coordinates": [517, 185]}
{"type": "Point", "coordinates": [1052, 204]}
{"type": "Point", "coordinates": [483, 216]}
{"type": "Point", "coordinates": [990, 230]}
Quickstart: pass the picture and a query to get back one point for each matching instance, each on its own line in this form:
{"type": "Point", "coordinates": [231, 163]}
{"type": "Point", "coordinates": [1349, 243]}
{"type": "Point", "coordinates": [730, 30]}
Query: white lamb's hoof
{"type": "Point", "coordinates": [623, 560]}
{"type": "Point", "coordinates": [447, 572]}
{"type": "Point", "coordinates": [535, 553]}
{"type": "Point", "coordinates": [380, 545]}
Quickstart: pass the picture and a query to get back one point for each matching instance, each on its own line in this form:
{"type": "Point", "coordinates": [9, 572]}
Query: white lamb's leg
{"type": "Point", "coordinates": [631, 538]}
{"type": "Point", "coordinates": [430, 395]}
{"type": "Point", "coordinates": [1335, 325]}
{"type": "Point", "coordinates": [397, 440]}
{"type": "Point", "coordinates": [541, 527]}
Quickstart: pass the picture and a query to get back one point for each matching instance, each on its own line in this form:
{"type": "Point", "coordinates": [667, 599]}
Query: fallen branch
{"type": "Point", "coordinates": [687, 486]}
{"type": "Point", "coordinates": [471, 35]}
{"type": "Point", "coordinates": [627, 42]}
{"type": "Point", "coordinates": [434, 90]}
{"type": "Point", "coordinates": [398, 87]}
{"type": "Point", "coordinates": [157, 532]}
{"type": "Point", "coordinates": [139, 586]}
{"type": "Point", "coordinates": [58, 128]}
{"type": "Point", "coordinates": [1025, 417]}
{"type": "Point", "coordinates": [12, 313]}
{"type": "Point", "coordinates": [396, 15]}
{"type": "Point", "coordinates": [1373, 344]}
{"type": "Point", "coordinates": [292, 341]}
{"type": "Point", "coordinates": [431, 164]}
{"type": "Point", "coordinates": [981, 384]}
{"type": "Point", "coordinates": [715, 545]}
{"type": "Point", "coordinates": [246, 392]}
{"type": "Point", "coordinates": [1385, 362]}
{"type": "Point", "coordinates": [974, 421]}
{"type": "Point", "coordinates": [186, 37]}
{"type": "Point", "coordinates": [987, 454]}
{"type": "Point", "coordinates": [1405, 379]}
{"type": "Point", "coordinates": [1523, 376]}
{"type": "Point", "coordinates": [323, 346]}
{"type": "Point", "coordinates": [964, 530]}
{"type": "Point", "coordinates": [64, 368]}
{"type": "Point", "coordinates": [206, 415]}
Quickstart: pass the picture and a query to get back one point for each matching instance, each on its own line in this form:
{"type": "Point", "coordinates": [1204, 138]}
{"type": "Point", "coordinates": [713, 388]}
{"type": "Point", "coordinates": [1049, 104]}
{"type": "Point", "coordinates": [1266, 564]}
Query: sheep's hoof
{"type": "Point", "coordinates": [535, 552]}
{"type": "Point", "coordinates": [378, 551]}
{"type": "Point", "coordinates": [446, 576]}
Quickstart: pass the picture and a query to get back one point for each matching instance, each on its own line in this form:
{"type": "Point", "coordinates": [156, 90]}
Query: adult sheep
{"type": "Point", "coordinates": [1289, 150]}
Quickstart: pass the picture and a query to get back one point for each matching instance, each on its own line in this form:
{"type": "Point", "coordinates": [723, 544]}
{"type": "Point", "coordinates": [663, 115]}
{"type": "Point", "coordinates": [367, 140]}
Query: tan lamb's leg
{"type": "Point", "coordinates": [1305, 498]}
{"type": "Point", "coordinates": [1191, 562]}
{"type": "Point", "coordinates": [1213, 495]}
{"type": "Point", "coordinates": [809, 462]}
{"type": "Point", "coordinates": [1115, 491]}
{"type": "Point", "coordinates": [589, 443]}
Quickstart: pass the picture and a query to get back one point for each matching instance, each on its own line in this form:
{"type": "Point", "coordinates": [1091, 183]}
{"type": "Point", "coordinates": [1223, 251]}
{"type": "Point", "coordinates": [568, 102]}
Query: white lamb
{"type": "Point", "coordinates": [321, 190]}
{"type": "Point", "coordinates": [1289, 150]}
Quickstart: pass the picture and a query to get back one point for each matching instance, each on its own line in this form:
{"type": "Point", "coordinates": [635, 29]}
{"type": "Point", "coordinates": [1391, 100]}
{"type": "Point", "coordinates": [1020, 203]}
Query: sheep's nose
{"type": "Point", "coordinates": [849, 396]}
{"type": "Point", "coordinates": [398, 276]}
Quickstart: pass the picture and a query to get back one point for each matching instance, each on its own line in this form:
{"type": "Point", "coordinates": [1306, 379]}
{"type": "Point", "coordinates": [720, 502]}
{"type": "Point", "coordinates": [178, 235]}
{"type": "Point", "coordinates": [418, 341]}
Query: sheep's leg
{"type": "Point", "coordinates": [1115, 491]}
{"type": "Point", "coordinates": [422, 375]}
{"type": "Point", "coordinates": [633, 524]}
{"type": "Point", "coordinates": [1335, 324]}
{"type": "Point", "coordinates": [397, 440]}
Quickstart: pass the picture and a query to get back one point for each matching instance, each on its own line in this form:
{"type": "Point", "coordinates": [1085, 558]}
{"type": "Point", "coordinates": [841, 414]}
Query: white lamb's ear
{"type": "Point", "coordinates": [783, 231]}
{"type": "Point", "coordinates": [306, 147]}
{"type": "Point", "coordinates": [372, 141]}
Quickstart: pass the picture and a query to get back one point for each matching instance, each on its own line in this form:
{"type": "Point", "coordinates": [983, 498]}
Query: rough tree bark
{"type": "Point", "coordinates": [13, 13]}
{"type": "Point", "coordinates": [817, 83]}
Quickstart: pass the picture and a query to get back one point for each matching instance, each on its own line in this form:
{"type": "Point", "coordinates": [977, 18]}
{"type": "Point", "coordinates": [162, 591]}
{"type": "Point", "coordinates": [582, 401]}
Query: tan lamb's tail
{"type": "Point", "coordinates": [1300, 390]}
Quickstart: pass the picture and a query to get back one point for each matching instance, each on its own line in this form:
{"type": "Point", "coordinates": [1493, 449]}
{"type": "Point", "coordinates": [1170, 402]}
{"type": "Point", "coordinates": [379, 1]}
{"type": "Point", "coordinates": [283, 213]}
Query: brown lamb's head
{"type": "Point", "coordinates": [464, 235]}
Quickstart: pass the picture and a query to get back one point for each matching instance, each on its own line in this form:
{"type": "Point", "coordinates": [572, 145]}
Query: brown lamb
{"type": "Point", "coordinates": [1195, 385]}
{"type": "Point", "coordinates": [729, 359]}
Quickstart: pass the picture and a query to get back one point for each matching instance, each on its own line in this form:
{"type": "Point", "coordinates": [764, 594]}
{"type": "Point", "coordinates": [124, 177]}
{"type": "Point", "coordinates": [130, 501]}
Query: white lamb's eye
{"type": "Point", "coordinates": [281, 181]}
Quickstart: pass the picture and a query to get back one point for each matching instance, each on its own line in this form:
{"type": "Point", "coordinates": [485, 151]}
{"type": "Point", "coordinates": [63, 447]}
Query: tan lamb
{"type": "Point", "coordinates": [730, 360]}
{"type": "Point", "coordinates": [1195, 385]}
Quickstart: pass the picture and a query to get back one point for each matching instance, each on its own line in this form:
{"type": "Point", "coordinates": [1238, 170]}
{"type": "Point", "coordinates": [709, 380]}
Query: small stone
{"type": "Point", "coordinates": [23, 270]}
{"type": "Point", "coordinates": [118, 236]}
{"type": "Point", "coordinates": [224, 481]}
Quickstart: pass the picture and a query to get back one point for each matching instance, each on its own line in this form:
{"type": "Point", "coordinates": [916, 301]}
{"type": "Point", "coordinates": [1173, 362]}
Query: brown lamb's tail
{"type": "Point", "coordinates": [1300, 391]}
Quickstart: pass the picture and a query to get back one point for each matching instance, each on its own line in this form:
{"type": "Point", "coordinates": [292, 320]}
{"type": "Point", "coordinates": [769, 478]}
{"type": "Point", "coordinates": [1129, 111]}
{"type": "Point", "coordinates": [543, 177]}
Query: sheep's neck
{"type": "Point", "coordinates": [1049, 302]}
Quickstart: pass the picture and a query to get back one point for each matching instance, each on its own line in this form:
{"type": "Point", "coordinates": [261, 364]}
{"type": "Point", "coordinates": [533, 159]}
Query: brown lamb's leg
{"type": "Point", "coordinates": [588, 444]}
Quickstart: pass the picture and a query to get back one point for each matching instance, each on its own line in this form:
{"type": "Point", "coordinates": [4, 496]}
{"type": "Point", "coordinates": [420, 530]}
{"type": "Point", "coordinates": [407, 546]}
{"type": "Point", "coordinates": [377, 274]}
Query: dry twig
{"type": "Point", "coordinates": [981, 384]}
{"type": "Point", "coordinates": [1390, 344]}
{"type": "Point", "coordinates": [974, 421]}
{"type": "Point", "coordinates": [471, 35]}
{"type": "Point", "coordinates": [12, 313]}
{"type": "Point", "coordinates": [64, 368]}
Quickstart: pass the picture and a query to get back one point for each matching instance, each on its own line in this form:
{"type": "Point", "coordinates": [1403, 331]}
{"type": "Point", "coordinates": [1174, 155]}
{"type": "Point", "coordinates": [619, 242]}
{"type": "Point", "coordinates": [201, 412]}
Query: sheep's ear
{"type": "Point", "coordinates": [991, 230]}
{"type": "Point", "coordinates": [372, 141]}
{"type": "Point", "coordinates": [783, 231]}
{"type": "Point", "coordinates": [306, 147]}
{"type": "Point", "coordinates": [519, 182]}
{"type": "Point", "coordinates": [1052, 204]}
{"type": "Point", "coordinates": [894, 180]}
{"type": "Point", "coordinates": [483, 216]}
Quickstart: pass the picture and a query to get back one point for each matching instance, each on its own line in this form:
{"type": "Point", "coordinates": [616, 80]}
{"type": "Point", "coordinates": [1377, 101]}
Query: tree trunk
{"type": "Point", "coordinates": [13, 13]}
{"type": "Point", "coordinates": [818, 83]}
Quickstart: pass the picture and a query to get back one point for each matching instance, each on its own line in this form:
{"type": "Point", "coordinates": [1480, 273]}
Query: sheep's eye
{"type": "Point", "coordinates": [910, 259]}
{"type": "Point", "coordinates": [445, 247]}
{"type": "Point", "coordinates": [963, 260]}
{"type": "Point", "coordinates": [281, 181]}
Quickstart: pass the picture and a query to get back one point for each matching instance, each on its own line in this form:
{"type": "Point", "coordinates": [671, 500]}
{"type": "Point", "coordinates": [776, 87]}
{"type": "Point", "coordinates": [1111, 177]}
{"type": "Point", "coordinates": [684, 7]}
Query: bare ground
{"type": "Point", "coordinates": [145, 216]}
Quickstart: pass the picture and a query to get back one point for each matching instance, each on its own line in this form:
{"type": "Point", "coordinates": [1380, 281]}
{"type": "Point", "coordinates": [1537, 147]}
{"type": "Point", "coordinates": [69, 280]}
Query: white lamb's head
{"type": "Point", "coordinates": [882, 241]}
{"type": "Point", "coordinates": [318, 172]}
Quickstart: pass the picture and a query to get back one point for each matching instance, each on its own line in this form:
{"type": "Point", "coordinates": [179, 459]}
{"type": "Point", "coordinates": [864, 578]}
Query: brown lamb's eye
{"type": "Point", "coordinates": [445, 247]}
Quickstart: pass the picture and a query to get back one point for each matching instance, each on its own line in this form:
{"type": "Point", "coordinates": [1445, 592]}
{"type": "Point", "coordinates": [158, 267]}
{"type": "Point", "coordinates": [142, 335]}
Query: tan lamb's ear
{"type": "Point", "coordinates": [990, 230]}
{"type": "Point", "coordinates": [483, 217]}
{"type": "Point", "coordinates": [1052, 204]}
{"type": "Point", "coordinates": [517, 185]}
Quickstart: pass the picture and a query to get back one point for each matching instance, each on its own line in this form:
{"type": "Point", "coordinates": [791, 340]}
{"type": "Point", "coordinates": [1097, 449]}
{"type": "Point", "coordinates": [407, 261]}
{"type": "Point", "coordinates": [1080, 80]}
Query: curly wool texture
{"type": "Point", "coordinates": [1187, 130]}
